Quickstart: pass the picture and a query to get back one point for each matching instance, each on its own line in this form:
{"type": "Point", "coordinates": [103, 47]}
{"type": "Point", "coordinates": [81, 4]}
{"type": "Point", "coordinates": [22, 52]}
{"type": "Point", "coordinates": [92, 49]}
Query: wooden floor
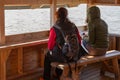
{"type": "Point", "coordinates": [90, 72]}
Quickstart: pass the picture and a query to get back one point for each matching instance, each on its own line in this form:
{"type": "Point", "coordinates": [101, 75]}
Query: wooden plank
{"type": "Point", "coordinates": [118, 43]}
{"type": "Point", "coordinates": [20, 60]}
{"type": "Point", "coordinates": [105, 1]}
{"type": "Point", "coordinates": [23, 44]}
{"type": "Point", "coordinates": [52, 12]}
{"type": "Point", "coordinates": [116, 1]}
{"type": "Point", "coordinates": [29, 74]}
{"type": "Point", "coordinates": [112, 43]}
{"type": "Point", "coordinates": [42, 51]}
{"type": "Point", "coordinates": [68, 2]}
{"type": "Point", "coordinates": [116, 68]}
{"type": "Point", "coordinates": [27, 2]}
{"type": "Point", "coordinates": [3, 59]}
{"type": "Point", "coordinates": [90, 3]}
{"type": "Point", "coordinates": [2, 26]}
{"type": "Point", "coordinates": [2, 65]}
{"type": "Point", "coordinates": [111, 55]}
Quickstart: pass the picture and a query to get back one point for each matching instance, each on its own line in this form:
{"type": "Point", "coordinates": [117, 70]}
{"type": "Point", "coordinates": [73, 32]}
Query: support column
{"type": "Point", "coordinates": [90, 3]}
{"type": "Point", "coordinates": [4, 54]}
{"type": "Point", "coordinates": [52, 12]}
{"type": "Point", "coordinates": [2, 30]}
{"type": "Point", "coordinates": [20, 60]}
{"type": "Point", "coordinates": [116, 68]}
{"type": "Point", "coordinates": [2, 66]}
{"type": "Point", "coordinates": [116, 1]}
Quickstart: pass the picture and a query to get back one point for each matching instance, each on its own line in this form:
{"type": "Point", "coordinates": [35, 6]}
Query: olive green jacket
{"type": "Point", "coordinates": [97, 29]}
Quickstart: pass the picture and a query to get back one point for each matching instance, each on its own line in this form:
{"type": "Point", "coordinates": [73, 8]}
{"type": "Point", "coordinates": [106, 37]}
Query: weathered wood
{"type": "Point", "coordinates": [116, 1]}
{"type": "Point", "coordinates": [112, 43]}
{"type": "Point", "coordinates": [20, 60]}
{"type": "Point", "coordinates": [53, 12]}
{"type": "Point", "coordinates": [26, 37]}
{"type": "Point", "coordinates": [111, 55]}
{"type": "Point", "coordinates": [33, 58]}
{"type": "Point", "coordinates": [3, 58]}
{"type": "Point", "coordinates": [28, 2]}
{"type": "Point", "coordinates": [118, 43]}
{"type": "Point", "coordinates": [66, 2]}
{"type": "Point", "coordinates": [2, 67]}
{"type": "Point", "coordinates": [2, 23]}
{"type": "Point", "coordinates": [27, 75]}
{"type": "Point", "coordinates": [116, 68]}
{"type": "Point", "coordinates": [23, 44]}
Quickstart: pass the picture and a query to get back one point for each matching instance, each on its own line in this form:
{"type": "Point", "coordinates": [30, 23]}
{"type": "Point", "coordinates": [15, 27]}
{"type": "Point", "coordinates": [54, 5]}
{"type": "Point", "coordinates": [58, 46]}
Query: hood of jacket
{"type": "Point", "coordinates": [93, 13]}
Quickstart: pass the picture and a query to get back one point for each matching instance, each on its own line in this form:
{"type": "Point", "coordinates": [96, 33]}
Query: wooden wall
{"type": "Point", "coordinates": [114, 42]}
{"type": "Point", "coordinates": [104, 2]}
{"type": "Point", "coordinates": [25, 60]}
{"type": "Point", "coordinates": [23, 55]}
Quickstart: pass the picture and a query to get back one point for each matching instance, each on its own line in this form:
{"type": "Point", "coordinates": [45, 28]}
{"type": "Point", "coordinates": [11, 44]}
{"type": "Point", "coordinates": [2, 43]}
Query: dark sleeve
{"type": "Point", "coordinates": [91, 34]}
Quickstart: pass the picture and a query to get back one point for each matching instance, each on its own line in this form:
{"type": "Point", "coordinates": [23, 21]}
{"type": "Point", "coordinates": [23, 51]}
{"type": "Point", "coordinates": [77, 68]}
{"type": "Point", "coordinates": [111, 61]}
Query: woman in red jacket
{"type": "Point", "coordinates": [56, 38]}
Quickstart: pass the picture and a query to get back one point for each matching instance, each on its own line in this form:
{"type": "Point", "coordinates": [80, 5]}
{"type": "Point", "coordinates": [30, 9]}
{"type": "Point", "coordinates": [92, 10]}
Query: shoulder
{"type": "Point", "coordinates": [52, 30]}
{"type": "Point", "coordinates": [74, 27]}
{"type": "Point", "coordinates": [100, 22]}
{"type": "Point", "coordinates": [55, 30]}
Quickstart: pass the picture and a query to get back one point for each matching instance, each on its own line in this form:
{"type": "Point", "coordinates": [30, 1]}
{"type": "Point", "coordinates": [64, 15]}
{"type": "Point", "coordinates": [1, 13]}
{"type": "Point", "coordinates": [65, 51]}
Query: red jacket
{"type": "Point", "coordinates": [52, 38]}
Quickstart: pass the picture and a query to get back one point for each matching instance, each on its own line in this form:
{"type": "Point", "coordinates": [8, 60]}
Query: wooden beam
{"type": "Point", "coordinates": [116, 68]}
{"type": "Point", "coordinates": [68, 2]}
{"type": "Point", "coordinates": [88, 3]}
{"type": "Point", "coordinates": [2, 26]}
{"type": "Point", "coordinates": [2, 65]}
{"type": "Point", "coordinates": [4, 54]}
{"type": "Point", "coordinates": [26, 2]}
{"type": "Point", "coordinates": [52, 12]}
{"type": "Point", "coordinates": [116, 1]}
{"type": "Point", "coordinates": [20, 60]}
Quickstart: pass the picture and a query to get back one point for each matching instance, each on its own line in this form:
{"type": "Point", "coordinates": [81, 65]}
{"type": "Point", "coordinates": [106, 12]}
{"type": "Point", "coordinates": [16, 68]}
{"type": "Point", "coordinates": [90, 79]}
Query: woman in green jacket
{"type": "Point", "coordinates": [97, 32]}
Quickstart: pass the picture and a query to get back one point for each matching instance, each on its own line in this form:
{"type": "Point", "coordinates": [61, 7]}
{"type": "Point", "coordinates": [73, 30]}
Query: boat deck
{"type": "Point", "coordinates": [90, 72]}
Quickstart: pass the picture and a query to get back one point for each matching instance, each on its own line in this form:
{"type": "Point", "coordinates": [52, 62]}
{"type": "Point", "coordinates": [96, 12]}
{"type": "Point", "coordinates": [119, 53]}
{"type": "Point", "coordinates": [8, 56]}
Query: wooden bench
{"type": "Point", "coordinates": [109, 62]}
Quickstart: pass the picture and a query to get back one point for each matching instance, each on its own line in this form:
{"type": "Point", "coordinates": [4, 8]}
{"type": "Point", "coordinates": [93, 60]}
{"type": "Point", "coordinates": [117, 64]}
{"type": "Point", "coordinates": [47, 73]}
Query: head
{"type": "Point", "coordinates": [93, 13]}
{"type": "Point", "coordinates": [62, 13]}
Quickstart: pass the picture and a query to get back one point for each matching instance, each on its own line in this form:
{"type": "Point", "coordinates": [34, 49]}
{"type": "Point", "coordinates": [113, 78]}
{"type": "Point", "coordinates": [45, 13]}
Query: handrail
{"type": "Point", "coordinates": [30, 43]}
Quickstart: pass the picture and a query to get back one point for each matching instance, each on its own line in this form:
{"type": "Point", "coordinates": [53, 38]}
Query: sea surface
{"type": "Point", "coordinates": [34, 20]}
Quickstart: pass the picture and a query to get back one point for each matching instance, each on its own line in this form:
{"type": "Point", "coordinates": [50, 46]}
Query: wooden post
{"type": "Point", "coordinates": [52, 12]}
{"type": "Point", "coordinates": [90, 3]}
{"type": "Point", "coordinates": [116, 1]}
{"type": "Point", "coordinates": [116, 68]}
{"type": "Point", "coordinates": [4, 54]}
{"type": "Point", "coordinates": [2, 30]}
{"type": "Point", "coordinates": [2, 66]}
{"type": "Point", "coordinates": [20, 60]}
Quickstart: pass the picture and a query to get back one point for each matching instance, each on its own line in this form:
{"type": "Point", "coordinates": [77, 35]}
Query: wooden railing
{"type": "Point", "coordinates": [24, 56]}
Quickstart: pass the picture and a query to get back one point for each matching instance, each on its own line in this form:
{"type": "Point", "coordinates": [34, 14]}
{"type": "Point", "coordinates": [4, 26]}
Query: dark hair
{"type": "Point", "coordinates": [62, 13]}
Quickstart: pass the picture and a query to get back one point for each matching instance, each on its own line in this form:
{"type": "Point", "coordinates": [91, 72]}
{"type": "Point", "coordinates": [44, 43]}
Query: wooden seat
{"type": "Point", "coordinates": [109, 62]}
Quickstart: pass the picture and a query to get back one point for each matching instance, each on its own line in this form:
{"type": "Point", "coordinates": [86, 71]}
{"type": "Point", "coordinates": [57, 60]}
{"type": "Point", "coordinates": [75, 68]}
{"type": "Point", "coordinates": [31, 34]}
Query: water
{"type": "Point", "coordinates": [33, 20]}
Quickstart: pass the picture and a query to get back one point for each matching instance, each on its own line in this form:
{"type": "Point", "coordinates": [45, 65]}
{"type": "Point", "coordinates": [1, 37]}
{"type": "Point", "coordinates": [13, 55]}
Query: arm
{"type": "Point", "coordinates": [91, 34]}
{"type": "Point", "coordinates": [52, 38]}
{"type": "Point", "coordinates": [79, 37]}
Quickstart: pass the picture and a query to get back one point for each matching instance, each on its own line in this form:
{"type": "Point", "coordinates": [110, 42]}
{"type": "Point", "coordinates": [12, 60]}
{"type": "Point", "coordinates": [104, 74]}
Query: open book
{"type": "Point", "coordinates": [84, 44]}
